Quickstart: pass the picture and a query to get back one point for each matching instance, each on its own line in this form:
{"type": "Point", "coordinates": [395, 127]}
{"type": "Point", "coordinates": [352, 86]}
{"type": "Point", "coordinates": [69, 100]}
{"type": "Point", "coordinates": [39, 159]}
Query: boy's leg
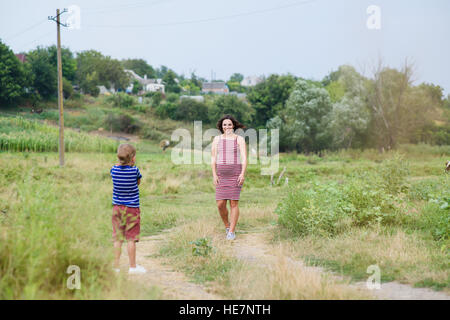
{"type": "Point", "coordinates": [117, 252]}
{"type": "Point", "coordinates": [131, 246]}
{"type": "Point", "coordinates": [118, 234]}
{"type": "Point", "coordinates": [133, 227]}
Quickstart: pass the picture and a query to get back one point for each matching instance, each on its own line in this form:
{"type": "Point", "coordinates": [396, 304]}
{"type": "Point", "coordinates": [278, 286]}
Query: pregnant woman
{"type": "Point", "coordinates": [228, 162]}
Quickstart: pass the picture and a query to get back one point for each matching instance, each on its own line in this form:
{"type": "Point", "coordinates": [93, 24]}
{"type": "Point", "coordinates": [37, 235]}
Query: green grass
{"type": "Point", "coordinates": [52, 217]}
{"type": "Point", "coordinates": [21, 135]}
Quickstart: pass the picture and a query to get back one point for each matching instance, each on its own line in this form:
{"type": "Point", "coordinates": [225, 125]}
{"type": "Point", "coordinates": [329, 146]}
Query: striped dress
{"type": "Point", "coordinates": [228, 168]}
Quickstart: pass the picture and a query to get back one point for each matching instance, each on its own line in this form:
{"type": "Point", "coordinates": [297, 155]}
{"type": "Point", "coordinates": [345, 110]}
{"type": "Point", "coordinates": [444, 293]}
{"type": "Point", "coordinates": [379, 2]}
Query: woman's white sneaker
{"type": "Point", "coordinates": [231, 236]}
{"type": "Point", "coordinates": [138, 269]}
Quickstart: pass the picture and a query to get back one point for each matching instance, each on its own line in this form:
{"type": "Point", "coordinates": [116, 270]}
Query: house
{"type": "Point", "coordinates": [196, 98]}
{"type": "Point", "coordinates": [219, 87]}
{"type": "Point", "coordinates": [239, 95]}
{"type": "Point", "coordinates": [22, 57]}
{"type": "Point", "coordinates": [104, 90]}
{"type": "Point", "coordinates": [251, 81]}
{"type": "Point", "coordinates": [148, 85]}
{"type": "Point", "coordinates": [154, 85]}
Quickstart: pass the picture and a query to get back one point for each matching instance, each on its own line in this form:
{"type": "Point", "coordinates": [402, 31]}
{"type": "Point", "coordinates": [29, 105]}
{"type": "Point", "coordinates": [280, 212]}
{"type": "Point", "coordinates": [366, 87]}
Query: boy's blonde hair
{"type": "Point", "coordinates": [125, 153]}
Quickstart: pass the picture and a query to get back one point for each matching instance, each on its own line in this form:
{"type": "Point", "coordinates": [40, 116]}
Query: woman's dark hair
{"type": "Point", "coordinates": [236, 124]}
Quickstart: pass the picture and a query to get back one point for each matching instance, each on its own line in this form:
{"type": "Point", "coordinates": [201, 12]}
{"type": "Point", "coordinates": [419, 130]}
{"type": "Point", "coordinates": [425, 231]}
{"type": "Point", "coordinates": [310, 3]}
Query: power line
{"type": "Point", "coordinates": [207, 19]}
{"type": "Point", "coordinates": [35, 40]}
{"type": "Point", "coordinates": [25, 30]}
{"type": "Point", "coordinates": [125, 6]}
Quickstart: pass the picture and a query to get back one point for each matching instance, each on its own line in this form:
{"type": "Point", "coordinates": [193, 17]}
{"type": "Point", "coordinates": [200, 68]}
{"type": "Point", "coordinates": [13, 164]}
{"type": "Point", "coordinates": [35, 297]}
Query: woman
{"type": "Point", "coordinates": [228, 162]}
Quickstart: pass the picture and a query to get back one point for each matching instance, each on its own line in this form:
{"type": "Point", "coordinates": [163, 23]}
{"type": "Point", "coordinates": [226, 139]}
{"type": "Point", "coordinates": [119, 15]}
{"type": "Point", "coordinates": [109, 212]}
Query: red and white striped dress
{"type": "Point", "coordinates": [228, 168]}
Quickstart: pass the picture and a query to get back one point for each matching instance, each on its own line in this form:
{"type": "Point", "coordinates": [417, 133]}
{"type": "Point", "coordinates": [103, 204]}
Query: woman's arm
{"type": "Point", "coordinates": [214, 159]}
{"type": "Point", "coordinates": [243, 151]}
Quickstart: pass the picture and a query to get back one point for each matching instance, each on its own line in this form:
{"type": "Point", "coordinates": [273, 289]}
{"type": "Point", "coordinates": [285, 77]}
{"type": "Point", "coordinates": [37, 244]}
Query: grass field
{"type": "Point", "coordinates": [344, 211]}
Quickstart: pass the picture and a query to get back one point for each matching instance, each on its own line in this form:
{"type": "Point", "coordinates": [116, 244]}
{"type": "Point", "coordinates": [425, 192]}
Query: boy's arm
{"type": "Point", "coordinates": [139, 175]}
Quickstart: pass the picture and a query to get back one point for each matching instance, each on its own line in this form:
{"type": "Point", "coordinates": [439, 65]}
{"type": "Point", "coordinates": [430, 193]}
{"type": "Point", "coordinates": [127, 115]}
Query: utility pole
{"type": "Point", "coordinates": [60, 85]}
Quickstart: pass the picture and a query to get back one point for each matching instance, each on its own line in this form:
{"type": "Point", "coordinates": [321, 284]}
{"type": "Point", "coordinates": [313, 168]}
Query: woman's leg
{"type": "Point", "coordinates": [222, 206]}
{"type": "Point", "coordinates": [234, 214]}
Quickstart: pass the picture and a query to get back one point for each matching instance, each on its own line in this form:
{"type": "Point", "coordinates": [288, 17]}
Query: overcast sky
{"type": "Point", "coordinates": [252, 37]}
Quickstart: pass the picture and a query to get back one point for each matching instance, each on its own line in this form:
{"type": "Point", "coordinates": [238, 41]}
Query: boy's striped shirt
{"type": "Point", "coordinates": [125, 187]}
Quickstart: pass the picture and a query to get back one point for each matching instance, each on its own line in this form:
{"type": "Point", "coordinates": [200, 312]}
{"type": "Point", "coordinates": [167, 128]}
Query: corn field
{"type": "Point", "coordinates": [32, 136]}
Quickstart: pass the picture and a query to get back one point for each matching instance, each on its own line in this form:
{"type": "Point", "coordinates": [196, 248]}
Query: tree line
{"type": "Point", "coordinates": [346, 109]}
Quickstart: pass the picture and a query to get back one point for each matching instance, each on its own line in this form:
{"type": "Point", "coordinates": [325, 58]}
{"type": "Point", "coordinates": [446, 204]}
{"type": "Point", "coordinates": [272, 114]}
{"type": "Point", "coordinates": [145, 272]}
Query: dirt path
{"type": "Point", "coordinates": [253, 248]}
{"type": "Point", "coordinates": [174, 284]}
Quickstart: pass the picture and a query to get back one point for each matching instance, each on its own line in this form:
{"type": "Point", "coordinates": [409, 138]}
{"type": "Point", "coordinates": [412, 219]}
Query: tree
{"type": "Point", "coordinates": [236, 77]}
{"type": "Point", "coordinates": [140, 66]}
{"type": "Point", "coordinates": [269, 97]}
{"type": "Point", "coordinates": [67, 88]}
{"type": "Point", "coordinates": [12, 77]}
{"type": "Point", "coordinates": [161, 72]}
{"type": "Point", "coordinates": [336, 90]}
{"type": "Point", "coordinates": [229, 104]}
{"type": "Point", "coordinates": [350, 117]}
{"type": "Point", "coordinates": [94, 69]}
{"type": "Point", "coordinates": [170, 83]}
{"type": "Point", "coordinates": [303, 122]}
{"type": "Point", "coordinates": [348, 122]}
{"type": "Point", "coordinates": [191, 110]}
{"type": "Point", "coordinates": [236, 86]}
{"type": "Point", "coordinates": [44, 72]}
{"type": "Point", "coordinates": [69, 64]}
{"type": "Point", "coordinates": [386, 98]}
{"type": "Point", "coordinates": [137, 86]}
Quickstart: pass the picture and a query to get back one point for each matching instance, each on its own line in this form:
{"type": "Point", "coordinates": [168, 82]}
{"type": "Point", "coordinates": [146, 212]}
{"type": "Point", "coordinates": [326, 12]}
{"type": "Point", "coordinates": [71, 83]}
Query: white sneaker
{"type": "Point", "coordinates": [231, 236]}
{"type": "Point", "coordinates": [227, 230]}
{"type": "Point", "coordinates": [138, 269]}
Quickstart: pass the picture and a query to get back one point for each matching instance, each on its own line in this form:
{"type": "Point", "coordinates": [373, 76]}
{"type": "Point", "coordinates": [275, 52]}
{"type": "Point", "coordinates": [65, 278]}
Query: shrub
{"type": "Point", "coordinates": [190, 110]}
{"type": "Point", "coordinates": [122, 122]}
{"type": "Point", "coordinates": [393, 172]}
{"type": "Point", "coordinates": [435, 218]}
{"type": "Point", "coordinates": [166, 110]}
{"type": "Point", "coordinates": [121, 100]}
{"type": "Point", "coordinates": [328, 209]}
{"type": "Point", "coordinates": [311, 211]}
{"type": "Point", "coordinates": [153, 134]}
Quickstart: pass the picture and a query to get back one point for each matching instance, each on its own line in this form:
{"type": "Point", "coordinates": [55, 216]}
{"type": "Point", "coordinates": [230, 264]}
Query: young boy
{"type": "Point", "coordinates": [126, 219]}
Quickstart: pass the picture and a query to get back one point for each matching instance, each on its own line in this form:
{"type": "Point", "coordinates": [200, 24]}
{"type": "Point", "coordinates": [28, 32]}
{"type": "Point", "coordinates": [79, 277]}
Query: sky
{"type": "Point", "coordinates": [214, 39]}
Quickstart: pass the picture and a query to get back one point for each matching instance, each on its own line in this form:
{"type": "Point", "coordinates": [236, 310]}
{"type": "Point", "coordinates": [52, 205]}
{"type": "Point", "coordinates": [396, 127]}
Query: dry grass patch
{"type": "Point", "coordinates": [403, 257]}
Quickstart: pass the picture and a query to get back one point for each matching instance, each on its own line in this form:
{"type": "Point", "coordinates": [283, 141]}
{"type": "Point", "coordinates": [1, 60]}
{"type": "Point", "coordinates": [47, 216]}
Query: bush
{"type": "Point", "coordinates": [328, 209]}
{"type": "Point", "coordinates": [393, 173]}
{"type": "Point", "coordinates": [435, 218]}
{"type": "Point", "coordinates": [191, 110]}
{"type": "Point", "coordinates": [166, 110]}
{"type": "Point", "coordinates": [122, 122]}
{"type": "Point", "coordinates": [153, 134]}
{"type": "Point", "coordinates": [121, 100]}
{"type": "Point", "coordinates": [74, 103]}
{"type": "Point", "coordinates": [313, 211]}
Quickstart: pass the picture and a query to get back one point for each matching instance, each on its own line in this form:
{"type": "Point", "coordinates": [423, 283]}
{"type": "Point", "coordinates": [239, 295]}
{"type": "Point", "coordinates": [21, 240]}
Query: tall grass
{"type": "Point", "coordinates": [21, 135]}
{"type": "Point", "coordinates": [52, 218]}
